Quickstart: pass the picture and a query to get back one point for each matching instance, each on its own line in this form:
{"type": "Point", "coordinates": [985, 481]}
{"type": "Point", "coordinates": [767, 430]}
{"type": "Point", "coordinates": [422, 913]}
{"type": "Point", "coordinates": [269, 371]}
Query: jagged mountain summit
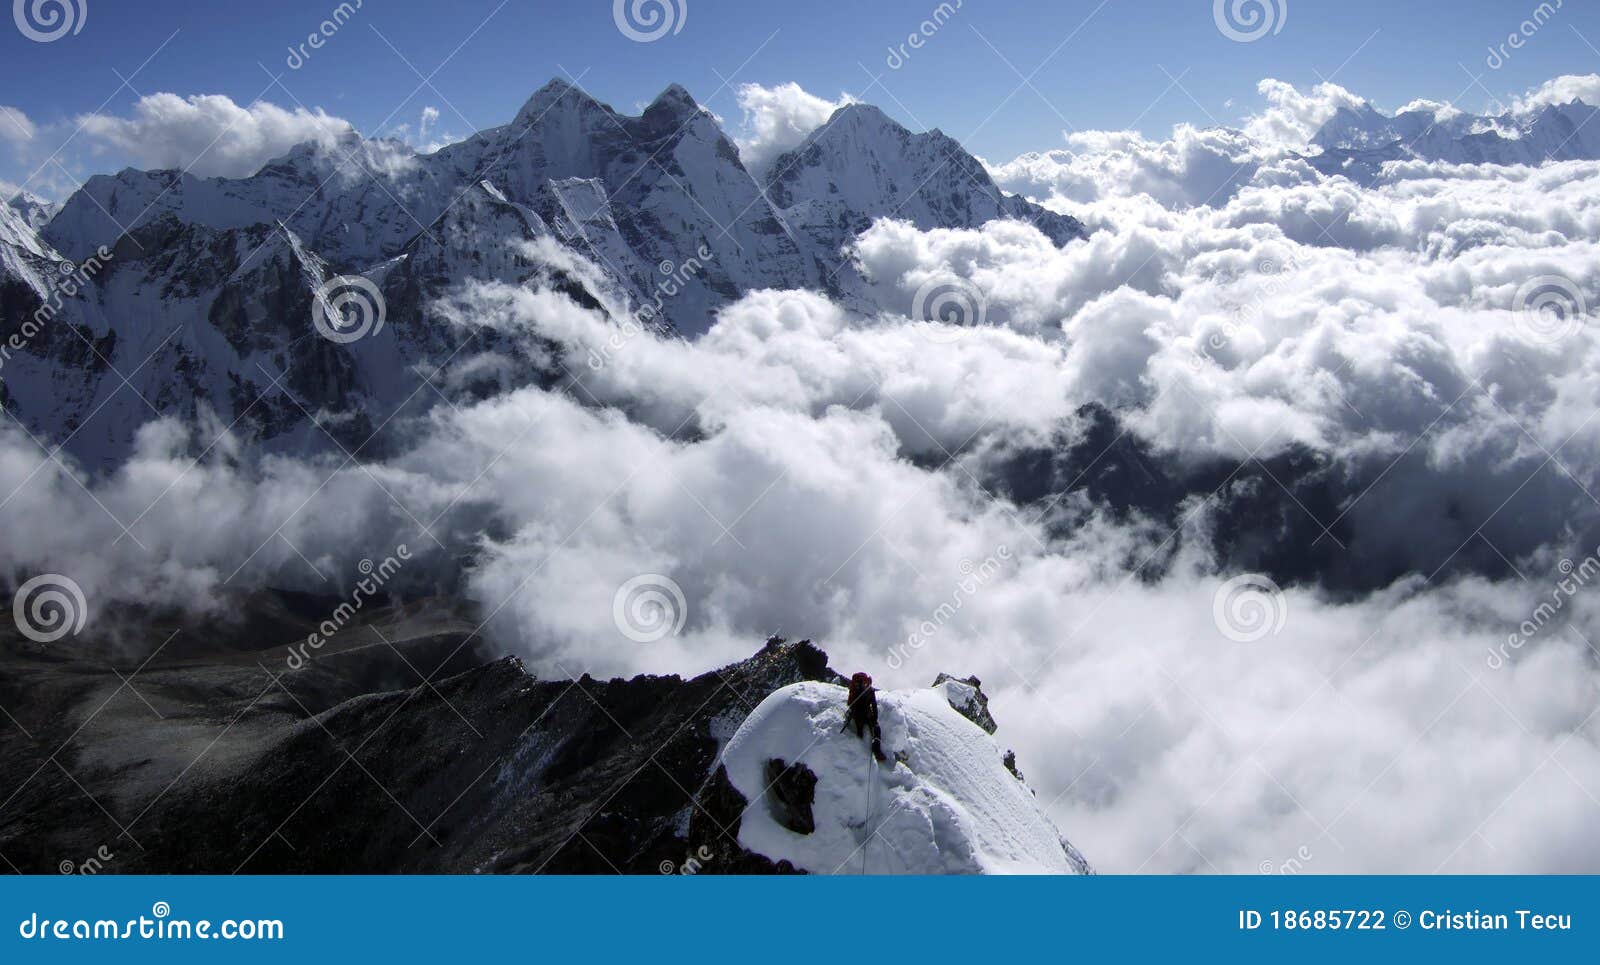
{"type": "Point", "coordinates": [861, 166]}
{"type": "Point", "coordinates": [205, 307]}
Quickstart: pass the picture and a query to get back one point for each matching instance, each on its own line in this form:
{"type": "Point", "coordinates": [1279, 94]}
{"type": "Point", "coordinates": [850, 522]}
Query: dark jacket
{"type": "Point", "coordinates": [863, 703]}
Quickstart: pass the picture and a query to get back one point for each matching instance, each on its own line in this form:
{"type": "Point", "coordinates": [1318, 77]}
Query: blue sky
{"type": "Point", "coordinates": [1090, 65]}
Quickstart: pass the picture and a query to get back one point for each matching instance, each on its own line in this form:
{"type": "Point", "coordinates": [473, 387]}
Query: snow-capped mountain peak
{"type": "Point", "coordinates": [1357, 142]}
{"type": "Point", "coordinates": [220, 262]}
{"type": "Point", "coordinates": [862, 165]}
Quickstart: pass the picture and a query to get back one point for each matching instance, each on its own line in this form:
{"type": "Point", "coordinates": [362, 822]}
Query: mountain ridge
{"type": "Point", "coordinates": [200, 262]}
{"type": "Point", "coordinates": [478, 767]}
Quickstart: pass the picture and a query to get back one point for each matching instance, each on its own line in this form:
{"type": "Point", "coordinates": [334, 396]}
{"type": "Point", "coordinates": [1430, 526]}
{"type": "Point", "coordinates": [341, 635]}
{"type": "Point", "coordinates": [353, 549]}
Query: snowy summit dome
{"type": "Point", "coordinates": [943, 803]}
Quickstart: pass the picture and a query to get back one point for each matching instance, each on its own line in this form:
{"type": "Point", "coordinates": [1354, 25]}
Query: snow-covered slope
{"type": "Point", "coordinates": [944, 802]}
{"type": "Point", "coordinates": [37, 212]}
{"type": "Point", "coordinates": [24, 257]}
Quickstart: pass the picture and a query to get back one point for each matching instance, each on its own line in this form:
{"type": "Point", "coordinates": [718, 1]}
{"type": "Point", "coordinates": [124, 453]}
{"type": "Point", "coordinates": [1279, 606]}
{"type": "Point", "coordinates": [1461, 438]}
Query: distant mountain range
{"type": "Point", "coordinates": [207, 301]}
{"type": "Point", "coordinates": [1356, 143]}
{"type": "Point", "coordinates": [209, 298]}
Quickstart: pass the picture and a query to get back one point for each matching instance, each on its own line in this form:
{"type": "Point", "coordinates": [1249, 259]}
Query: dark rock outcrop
{"type": "Point", "coordinates": [968, 698]}
{"type": "Point", "coordinates": [791, 790]}
{"type": "Point", "coordinates": [222, 759]}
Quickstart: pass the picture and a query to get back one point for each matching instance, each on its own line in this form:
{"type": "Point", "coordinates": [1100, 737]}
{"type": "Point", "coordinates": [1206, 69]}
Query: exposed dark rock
{"type": "Point", "coordinates": [1010, 761]}
{"type": "Point", "coordinates": [791, 790]}
{"type": "Point", "coordinates": [968, 699]}
{"type": "Point", "coordinates": [714, 831]}
{"type": "Point", "coordinates": [215, 757]}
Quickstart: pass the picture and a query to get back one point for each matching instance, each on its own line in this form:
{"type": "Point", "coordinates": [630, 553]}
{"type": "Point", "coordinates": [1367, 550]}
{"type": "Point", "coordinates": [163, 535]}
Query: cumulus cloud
{"type": "Point", "coordinates": [1211, 166]}
{"type": "Point", "coordinates": [807, 469]}
{"type": "Point", "coordinates": [777, 119]}
{"type": "Point", "coordinates": [1193, 167]}
{"type": "Point", "coordinates": [1292, 117]}
{"type": "Point", "coordinates": [838, 479]}
{"type": "Point", "coordinates": [1561, 90]}
{"type": "Point", "coordinates": [15, 126]}
{"type": "Point", "coordinates": [1349, 388]}
{"type": "Point", "coordinates": [209, 134]}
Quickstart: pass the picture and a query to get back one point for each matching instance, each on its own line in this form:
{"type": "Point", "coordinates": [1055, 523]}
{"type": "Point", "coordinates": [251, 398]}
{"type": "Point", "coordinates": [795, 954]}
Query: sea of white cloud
{"type": "Point", "coordinates": [835, 474]}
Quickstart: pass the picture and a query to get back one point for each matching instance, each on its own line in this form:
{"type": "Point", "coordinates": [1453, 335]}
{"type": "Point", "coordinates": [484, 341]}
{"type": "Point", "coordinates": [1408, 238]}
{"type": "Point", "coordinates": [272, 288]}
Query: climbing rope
{"type": "Point", "coordinates": [872, 779]}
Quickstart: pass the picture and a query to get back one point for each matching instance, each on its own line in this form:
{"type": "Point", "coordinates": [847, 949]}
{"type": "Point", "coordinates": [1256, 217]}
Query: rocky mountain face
{"type": "Point", "coordinates": [861, 166]}
{"type": "Point", "coordinates": [1357, 142]}
{"type": "Point", "coordinates": [396, 748]}
{"type": "Point", "coordinates": [207, 305]}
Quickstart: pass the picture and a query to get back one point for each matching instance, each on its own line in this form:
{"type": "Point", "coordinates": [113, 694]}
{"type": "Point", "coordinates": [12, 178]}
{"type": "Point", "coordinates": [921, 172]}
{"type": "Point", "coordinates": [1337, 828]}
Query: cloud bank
{"type": "Point", "coordinates": [1383, 398]}
{"type": "Point", "coordinates": [209, 134]}
{"type": "Point", "coordinates": [777, 119]}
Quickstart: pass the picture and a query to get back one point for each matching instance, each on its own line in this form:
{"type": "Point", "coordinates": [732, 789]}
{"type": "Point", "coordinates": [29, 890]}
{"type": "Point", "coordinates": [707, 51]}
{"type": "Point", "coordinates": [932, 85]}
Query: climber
{"type": "Point", "coordinates": [862, 710]}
